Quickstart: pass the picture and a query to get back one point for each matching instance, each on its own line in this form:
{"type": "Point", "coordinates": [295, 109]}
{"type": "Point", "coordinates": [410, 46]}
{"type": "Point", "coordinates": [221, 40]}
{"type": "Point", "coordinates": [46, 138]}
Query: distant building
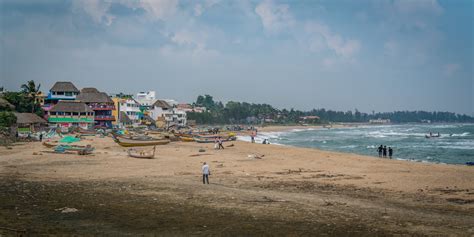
{"type": "Point", "coordinates": [28, 123]}
{"type": "Point", "coordinates": [61, 90]}
{"type": "Point", "coordinates": [379, 121]}
{"type": "Point", "coordinates": [71, 113]}
{"type": "Point", "coordinates": [129, 107]}
{"type": "Point", "coordinates": [146, 99]}
{"type": "Point", "coordinates": [101, 103]}
{"type": "Point", "coordinates": [172, 116]}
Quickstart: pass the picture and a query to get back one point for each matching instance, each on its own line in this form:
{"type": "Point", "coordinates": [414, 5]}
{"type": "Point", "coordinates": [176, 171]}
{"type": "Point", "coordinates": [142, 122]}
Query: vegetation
{"type": "Point", "coordinates": [7, 119]}
{"type": "Point", "coordinates": [247, 113]}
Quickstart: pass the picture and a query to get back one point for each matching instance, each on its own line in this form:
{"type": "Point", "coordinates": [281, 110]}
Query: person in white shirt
{"type": "Point", "coordinates": [205, 173]}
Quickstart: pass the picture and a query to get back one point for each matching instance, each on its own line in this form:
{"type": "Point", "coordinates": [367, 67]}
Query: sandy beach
{"type": "Point", "coordinates": [289, 191]}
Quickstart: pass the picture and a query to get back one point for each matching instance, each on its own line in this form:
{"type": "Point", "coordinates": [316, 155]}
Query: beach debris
{"type": "Point", "coordinates": [67, 210]}
{"type": "Point", "coordinates": [231, 145]}
{"type": "Point", "coordinates": [202, 150]}
{"type": "Point", "coordinates": [206, 154]}
{"type": "Point", "coordinates": [255, 156]}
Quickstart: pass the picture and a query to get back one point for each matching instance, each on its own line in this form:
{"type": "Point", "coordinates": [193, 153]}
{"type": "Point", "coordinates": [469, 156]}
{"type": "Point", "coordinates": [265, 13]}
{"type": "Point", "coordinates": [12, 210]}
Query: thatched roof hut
{"type": "Point", "coordinates": [64, 86]}
{"type": "Point", "coordinates": [88, 96]}
{"type": "Point", "coordinates": [71, 106]}
{"type": "Point", "coordinates": [163, 104]}
{"type": "Point", "coordinates": [28, 118]}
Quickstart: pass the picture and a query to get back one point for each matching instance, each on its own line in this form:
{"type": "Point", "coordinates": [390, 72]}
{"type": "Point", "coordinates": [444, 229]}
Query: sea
{"type": "Point", "coordinates": [454, 146]}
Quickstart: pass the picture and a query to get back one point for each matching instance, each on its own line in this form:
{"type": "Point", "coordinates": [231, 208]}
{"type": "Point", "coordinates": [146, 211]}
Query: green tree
{"type": "Point", "coordinates": [31, 91]}
{"type": "Point", "coordinates": [7, 119]}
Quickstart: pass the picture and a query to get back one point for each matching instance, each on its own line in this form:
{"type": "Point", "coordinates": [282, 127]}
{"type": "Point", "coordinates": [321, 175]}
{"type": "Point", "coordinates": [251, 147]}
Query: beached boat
{"type": "Point", "coordinates": [187, 139]}
{"type": "Point", "coordinates": [212, 139]}
{"type": "Point", "coordinates": [141, 153]}
{"type": "Point", "coordinates": [81, 150]}
{"type": "Point", "coordinates": [125, 142]}
{"type": "Point", "coordinates": [49, 145]}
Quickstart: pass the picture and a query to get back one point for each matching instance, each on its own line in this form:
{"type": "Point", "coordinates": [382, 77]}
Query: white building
{"type": "Point", "coordinates": [146, 99]}
{"type": "Point", "coordinates": [172, 116]}
{"type": "Point", "coordinates": [131, 108]}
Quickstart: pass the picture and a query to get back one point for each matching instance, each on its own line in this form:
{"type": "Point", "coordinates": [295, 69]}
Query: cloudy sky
{"type": "Point", "coordinates": [380, 55]}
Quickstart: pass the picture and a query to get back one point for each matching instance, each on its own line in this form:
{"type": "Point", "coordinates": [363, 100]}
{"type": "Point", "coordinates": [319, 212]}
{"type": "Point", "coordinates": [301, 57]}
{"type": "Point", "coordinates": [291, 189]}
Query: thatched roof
{"type": "Point", "coordinates": [65, 86]}
{"type": "Point", "coordinates": [89, 90]}
{"type": "Point", "coordinates": [162, 104]}
{"type": "Point", "coordinates": [71, 106]}
{"type": "Point", "coordinates": [124, 118]}
{"type": "Point", "coordinates": [5, 104]}
{"type": "Point", "coordinates": [28, 118]}
{"type": "Point", "coordinates": [148, 119]}
{"type": "Point", "coordinates": [94, 97]}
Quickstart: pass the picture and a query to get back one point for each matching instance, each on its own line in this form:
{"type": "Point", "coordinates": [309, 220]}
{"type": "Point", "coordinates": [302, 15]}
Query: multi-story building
{"type": "Point", "coordinates": [146, 99]}
{"type": "Point", "coordinates": [102, 105]}
{"type": "Point", "coordinates": [71, 113]}
{"type": "Point", "coordinates": [61, 90]}
{"type": "Point", "coordinates": [128, 107]}
{"type": "Point", "coordinates": [172, 116]}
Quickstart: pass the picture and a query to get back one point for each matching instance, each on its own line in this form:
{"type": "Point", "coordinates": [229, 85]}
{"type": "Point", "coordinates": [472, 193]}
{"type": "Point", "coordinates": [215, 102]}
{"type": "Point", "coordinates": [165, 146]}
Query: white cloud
{"type": "Point", "coordinates": [96, 9]}
{"type": "Point", "coordinates": [275, 17]}
{"type": "Point", "coordinates": [200, 8]}
{"type": "Point", "coordinates": [346, 48]}
{"type": "Point", "coordinates": [451, 68]}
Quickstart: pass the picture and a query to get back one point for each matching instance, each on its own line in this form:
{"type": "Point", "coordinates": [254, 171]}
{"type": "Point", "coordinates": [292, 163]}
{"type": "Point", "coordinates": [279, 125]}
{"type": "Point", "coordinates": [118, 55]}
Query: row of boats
{"type": "Point", "coordinates": [146, 140]}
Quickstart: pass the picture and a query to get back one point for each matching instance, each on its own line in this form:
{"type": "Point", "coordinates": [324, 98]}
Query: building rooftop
{"type": "Point", "coordinates": [64, 86]}
{"type": "Point", "coordinates": [71, 106]}
{"type": "Point", "coordinates": [92, 95]}
{"type": "Point", "coordinates": [26, 118]}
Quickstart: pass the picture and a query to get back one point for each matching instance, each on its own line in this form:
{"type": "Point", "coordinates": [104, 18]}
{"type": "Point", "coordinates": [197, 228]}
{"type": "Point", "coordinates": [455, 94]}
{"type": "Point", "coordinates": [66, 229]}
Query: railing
{"type": "Point", "coordinates": [104, 117]}
{"type": "Point", "coordinates": [102, 107]}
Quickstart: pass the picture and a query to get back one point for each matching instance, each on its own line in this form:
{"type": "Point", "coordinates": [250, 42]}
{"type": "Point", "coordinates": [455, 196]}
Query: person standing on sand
{"type": "Point", "coordinates": [384, 151]}
{"type": "Point", "coordinates": [380, 150]}
{"type": "Point", "coordinates": [252, 137]}
{"type": "Point", "coordinates": [220, 143]}
{"type": "Point", "coordinates": [205, 173]}
{"type": "Point", "coordinates": [390, 152]}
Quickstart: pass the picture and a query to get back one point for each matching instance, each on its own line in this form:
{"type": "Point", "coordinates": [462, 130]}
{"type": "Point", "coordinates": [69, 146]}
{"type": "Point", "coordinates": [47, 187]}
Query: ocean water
{"type": "Point", "coordinates": [455, 146]}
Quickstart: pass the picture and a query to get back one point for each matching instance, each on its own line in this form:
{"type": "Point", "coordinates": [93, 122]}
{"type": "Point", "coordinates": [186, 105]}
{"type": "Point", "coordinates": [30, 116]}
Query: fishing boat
{"type": "Point", "coordinates": [187, 139]}
{"type": "Point", "coordinates": [141, 153]}
{"type": "Point", "coordinates": [126, 142]}
{"type": "Point", "coordinates": [81, 150]}
{"type": "Point", "coordinates": [49, 145]}
{"type": "Point", "coordinates": [212, 139]}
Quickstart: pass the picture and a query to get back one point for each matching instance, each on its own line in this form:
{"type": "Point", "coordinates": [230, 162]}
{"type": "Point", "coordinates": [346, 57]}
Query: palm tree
{"type": "Point", "coordinates": [32, 91]}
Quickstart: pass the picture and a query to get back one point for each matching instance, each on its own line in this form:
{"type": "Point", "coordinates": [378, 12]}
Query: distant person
{"type": "Point", "coordinates": [265, 141]}
{"type": "Point", "coordinates": [41, 137]}
{"type": "Point", "coordinates": [390, 152]}
{"type": "Point", "coordinates": [384, 151]}
{"type": "Point", "coordinates": [380, 150]}
{"type": "Point", "coordinates": [205, 173]}
{"type": "Point", "coordinates": [216, 143]}
{"type": "Point", "coordinates": [220, 143]}
{"type": "Point", "coordinates": [252, 136]}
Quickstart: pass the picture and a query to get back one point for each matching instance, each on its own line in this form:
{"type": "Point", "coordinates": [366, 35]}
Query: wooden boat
{"type": "Point", "coordinates": [125, 142]}
{"type": "Point", "coordinates": [187, 139]}
{"type": "Point", "coordinates": [141, 154]}
{"type": "Point", "coordinates": [49, 145]}
{"type": "Point", "coordinates": [208, 139]}
{"type": "Point", "coordinates": [81, 150]}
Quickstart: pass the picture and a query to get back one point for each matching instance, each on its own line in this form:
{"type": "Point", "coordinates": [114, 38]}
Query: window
{"type": "Point", "coordinates": [83, 113]}
{"type": "Point", "coordinates": [68, 93]}
{"type": "Point", "coordinates": [52, 113]}
{"type": "Point", "coordinates": [75, 113]}
{"type": "Point", "coordinates": [67, 113]}
{"type": "Point", "coordinates": [60, 93]}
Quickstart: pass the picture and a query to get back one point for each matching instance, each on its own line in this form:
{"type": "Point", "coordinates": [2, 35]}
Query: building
{"type": "Point", "coordinates": [67, 114]}
{"type": "Point", "coordinates": [102, 105]}
{"type": "Point", "coordinates": [61, 90]}
{"type": "Point", "coordinates": [146, 99]}
{"type": "Point", "coordinates": [28, 123]}
{"type": "Point", "coordinates": [309, 119]}
{"type": "Point", "coordinates": [172, 116]}
{"type": "Point", "coordinates": [129, 107]}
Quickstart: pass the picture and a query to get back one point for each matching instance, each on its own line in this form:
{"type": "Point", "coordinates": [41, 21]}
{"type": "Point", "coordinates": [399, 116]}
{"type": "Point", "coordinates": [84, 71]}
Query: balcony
{"type": "Point", "coordinates": [104, 118]}
{"type": "Point", "coordinates": [102, 107]}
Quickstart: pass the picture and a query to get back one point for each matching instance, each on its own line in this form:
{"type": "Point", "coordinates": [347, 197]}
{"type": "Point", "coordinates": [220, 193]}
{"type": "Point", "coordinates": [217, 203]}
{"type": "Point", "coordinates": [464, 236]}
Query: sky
{"type": "Point", "coordinates": [370, 55]}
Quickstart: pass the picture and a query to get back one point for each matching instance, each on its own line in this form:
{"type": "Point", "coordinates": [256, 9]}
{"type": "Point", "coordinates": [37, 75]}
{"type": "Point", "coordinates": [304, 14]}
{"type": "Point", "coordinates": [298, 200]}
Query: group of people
{"type": "Point", "coordinates": [218, 143]}
{"type": "Point", "coordinates": [383, 151]}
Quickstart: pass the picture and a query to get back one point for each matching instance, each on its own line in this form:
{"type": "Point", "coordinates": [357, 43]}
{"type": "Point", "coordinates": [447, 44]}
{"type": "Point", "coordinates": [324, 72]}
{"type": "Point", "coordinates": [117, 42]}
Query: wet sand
{"type": "Point", "coordinates": [290, 191]}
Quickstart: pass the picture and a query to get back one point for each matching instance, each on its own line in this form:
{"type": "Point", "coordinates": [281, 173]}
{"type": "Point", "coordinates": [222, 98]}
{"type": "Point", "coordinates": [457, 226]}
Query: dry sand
{"type": "Point", "coordinates": [290, 191]}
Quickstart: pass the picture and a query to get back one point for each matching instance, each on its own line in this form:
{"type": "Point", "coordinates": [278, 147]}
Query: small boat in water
{"type": "Point", "coordinates": [432, 136]}
{"type": "Point", "coordinates": [132, 152]}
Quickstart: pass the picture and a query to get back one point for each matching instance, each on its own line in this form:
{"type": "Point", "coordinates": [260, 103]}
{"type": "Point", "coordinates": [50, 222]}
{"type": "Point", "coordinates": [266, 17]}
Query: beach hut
{"type": "Point", "coordinates": [28, 123]}
{"type": "Point", "coordinates": [61, 90]}
{"type": "Point", "coordinates": [71, 113]}
{"type": "Point", "coordinates": [100, 103]}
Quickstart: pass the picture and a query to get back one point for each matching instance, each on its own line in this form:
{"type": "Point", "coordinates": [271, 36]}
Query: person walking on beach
{"type": "Point", "coordinates": [252, 136]}
{"type": "Point", "coordinates": [41, 137]}
{"type": "Point", "coordinates": [380, 150]}
{"type": "Point", "coordinates": [384, 151]}
{"type": "Point", "coordinates": [205, 173]}
{"type": "Point", "coordinates": [220, 143]}
{"type": "Point", "coordinates": [390, 152]}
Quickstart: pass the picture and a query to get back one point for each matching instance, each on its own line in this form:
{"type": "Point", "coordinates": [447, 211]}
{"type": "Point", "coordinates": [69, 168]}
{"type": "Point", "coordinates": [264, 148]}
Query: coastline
{"type": "Point", "coordinates": [286, 178]}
